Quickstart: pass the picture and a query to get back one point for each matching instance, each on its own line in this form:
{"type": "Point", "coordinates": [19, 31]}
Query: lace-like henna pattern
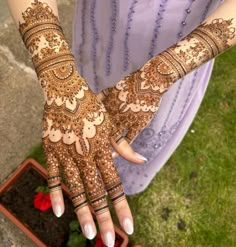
{"type": "Point", "coordinates": [76, 126]}
{"type": "Point", "coordinates": [134, 100]}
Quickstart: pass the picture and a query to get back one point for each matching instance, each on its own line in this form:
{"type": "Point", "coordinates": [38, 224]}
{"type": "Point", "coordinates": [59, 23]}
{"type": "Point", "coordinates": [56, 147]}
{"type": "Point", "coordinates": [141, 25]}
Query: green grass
{"type": "Point", "coordinates": [192, 202]}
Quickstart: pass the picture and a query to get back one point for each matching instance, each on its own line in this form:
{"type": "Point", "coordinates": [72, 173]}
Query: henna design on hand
{"type": "Point", "coordinates": [76, 126]}
{"type": "Point", "coordinates": [133, 101]}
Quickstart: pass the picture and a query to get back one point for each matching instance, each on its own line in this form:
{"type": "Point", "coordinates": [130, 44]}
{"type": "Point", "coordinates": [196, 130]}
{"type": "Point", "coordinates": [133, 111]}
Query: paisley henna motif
{"type": "Point", "coordinates": [76, 126]}
{"type": "Point", "coordinates": [133, 101]}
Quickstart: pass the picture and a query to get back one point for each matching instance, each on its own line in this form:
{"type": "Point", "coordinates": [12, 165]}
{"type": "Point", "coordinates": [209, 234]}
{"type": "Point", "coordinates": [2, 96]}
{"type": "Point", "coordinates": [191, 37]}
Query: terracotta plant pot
{"type": "Point", "coordinates": [17, 175]}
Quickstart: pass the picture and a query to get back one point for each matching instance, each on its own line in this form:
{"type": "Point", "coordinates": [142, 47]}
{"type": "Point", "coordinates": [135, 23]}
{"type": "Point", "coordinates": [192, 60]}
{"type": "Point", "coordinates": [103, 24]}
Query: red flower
{"type": "Point", "coordinates": [99, 242]}
{"type": "Point", "coordinates": [117, 243]}
{"type": "Point", "coordinates": [42, 201]}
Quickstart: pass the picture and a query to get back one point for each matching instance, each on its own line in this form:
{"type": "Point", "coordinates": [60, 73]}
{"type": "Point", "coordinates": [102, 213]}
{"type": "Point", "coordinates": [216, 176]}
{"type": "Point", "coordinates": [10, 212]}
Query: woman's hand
{"type": "Point", "coordinates": [133, 101]}
{"type": "Point", "coordinates": [77, 131]}
{"type": "Point", "coordinates": [76, 137]}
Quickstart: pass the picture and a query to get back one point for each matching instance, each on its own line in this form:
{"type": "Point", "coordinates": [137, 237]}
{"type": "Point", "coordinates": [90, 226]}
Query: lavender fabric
{"type": "Point", "coordinates": [112, 38]}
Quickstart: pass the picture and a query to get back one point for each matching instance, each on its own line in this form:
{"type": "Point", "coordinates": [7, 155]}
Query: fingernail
{"type": "Point", "coordinates": [58, 210]}
{"type": "Point", "coordinates": [89, 232]}
{"type": "Point", "coordinates": [128, 226]}
{"type": "Point", "coordinates": [114, 155]}
{"type": "Point", "coordinates": [109, 240]}
{"type": "Point", "coordinates": [139, 156]}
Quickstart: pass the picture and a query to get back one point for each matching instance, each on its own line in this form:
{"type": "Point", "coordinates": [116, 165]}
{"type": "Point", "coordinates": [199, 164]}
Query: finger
{"type": "Point", "coordinates": [124, 149]}
{"type": "Point", "coordinates": [114, 188]}
{"type": "Point", "coordinates": [97, 196]}
{"type": "Point", "coordinates": [78, 197]}
{"type": "Point", "coordinates": [106, 228]}
{"type": "Point", "coordinates": [86, 222]}
{"type": "Point", "coordinates": [124, 215]}
{"type": "Point", "coordinates": [54, 185]}
{"type": "Point", "coordinates": [102, 95]}
{"type": "Point", "coordinates": [114, 155]}
{"type": "Point", "coordinates": [109, 173]}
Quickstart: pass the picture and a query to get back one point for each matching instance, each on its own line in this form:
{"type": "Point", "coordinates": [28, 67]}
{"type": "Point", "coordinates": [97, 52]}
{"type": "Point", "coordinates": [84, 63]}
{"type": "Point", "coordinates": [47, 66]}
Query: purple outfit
{"type": "Point", "coordinates": [112, 38]}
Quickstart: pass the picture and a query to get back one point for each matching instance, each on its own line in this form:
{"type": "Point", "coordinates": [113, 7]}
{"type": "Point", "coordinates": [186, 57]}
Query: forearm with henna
{"type": "Point", "coordinates": [76, 126]}
{"type": "Point", "coordinates": [134, 100]}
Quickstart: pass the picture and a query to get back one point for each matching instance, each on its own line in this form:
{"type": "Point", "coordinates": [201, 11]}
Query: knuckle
{"type": "Point", "coordinates": [122, 206]}
{"type": "Point", "coordinates": [56, 195]}
{"type": "Point", "coordinates": [84, 213]}
{"type": "Point", "coordinates": [104, 218]}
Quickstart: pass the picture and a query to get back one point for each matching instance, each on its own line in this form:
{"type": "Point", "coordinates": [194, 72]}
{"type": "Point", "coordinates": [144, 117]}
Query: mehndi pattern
{"type": "Point", "coordinates": [133, 101]}
{"type": "Point", "coordinates": [76, 126]}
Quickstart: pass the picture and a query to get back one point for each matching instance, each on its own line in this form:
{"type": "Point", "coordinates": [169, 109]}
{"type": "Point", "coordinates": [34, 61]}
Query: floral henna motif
{"type": "Point", "coordinates": [76, 126]}
{"type": "Point", "coordinates": [133, 101]}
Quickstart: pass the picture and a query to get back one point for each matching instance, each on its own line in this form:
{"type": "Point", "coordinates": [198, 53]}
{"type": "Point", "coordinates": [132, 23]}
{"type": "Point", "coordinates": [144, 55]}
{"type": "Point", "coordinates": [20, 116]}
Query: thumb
{"type": "Point", "coordinates": [124, 149]}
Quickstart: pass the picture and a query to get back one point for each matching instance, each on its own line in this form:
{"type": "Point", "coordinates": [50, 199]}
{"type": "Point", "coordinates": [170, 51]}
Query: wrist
{"type": "Point", "coordinates": [43, 36]}
{"type": "Point", "coordinates": [53, 61]}
{"type": "Point", "coordinates": [204, 43]}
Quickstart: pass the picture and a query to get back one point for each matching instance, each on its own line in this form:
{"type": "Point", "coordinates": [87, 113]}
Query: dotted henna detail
{"type": "Point", "coordinates": [134, 100]}
{"type": "Point", "coordinates": [76, 126]}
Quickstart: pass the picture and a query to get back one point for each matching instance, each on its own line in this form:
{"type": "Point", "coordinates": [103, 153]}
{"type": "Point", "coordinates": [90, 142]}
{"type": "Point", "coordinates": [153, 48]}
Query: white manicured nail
{"type": "Point", "coordinates": [141, 157]}
{"type": "Point", "coordinates": [109, 240]}
{"type": "Point", "coordinates": [58, 210]}
{"type": "Point", "coordinates": [128, 226]}
{"type": "Point", "coordinates": [114, 155]}
{"type": "Point", "coordinates": [89, 232]}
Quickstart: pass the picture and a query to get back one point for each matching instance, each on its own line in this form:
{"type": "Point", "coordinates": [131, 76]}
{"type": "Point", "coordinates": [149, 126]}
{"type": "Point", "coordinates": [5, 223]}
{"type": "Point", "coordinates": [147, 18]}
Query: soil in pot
{"type": "Point", "coordinates": [19, 200]}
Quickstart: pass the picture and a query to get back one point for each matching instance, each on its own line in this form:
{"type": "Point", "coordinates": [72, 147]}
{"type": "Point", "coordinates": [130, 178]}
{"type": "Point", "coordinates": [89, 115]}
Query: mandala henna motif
{"type": "Point", "coordinates": [76, 126]}
{"type": "Point", "coordinates": [133, 101]}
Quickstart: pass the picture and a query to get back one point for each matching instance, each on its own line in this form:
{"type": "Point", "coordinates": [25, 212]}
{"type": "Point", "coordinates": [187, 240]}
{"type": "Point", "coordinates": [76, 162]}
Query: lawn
{"type": "Point", "coordinates": [192, 200]}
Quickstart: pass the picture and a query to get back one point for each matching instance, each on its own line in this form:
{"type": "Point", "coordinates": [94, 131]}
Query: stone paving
{"type": "Point", "coordinates": [21, 104]}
